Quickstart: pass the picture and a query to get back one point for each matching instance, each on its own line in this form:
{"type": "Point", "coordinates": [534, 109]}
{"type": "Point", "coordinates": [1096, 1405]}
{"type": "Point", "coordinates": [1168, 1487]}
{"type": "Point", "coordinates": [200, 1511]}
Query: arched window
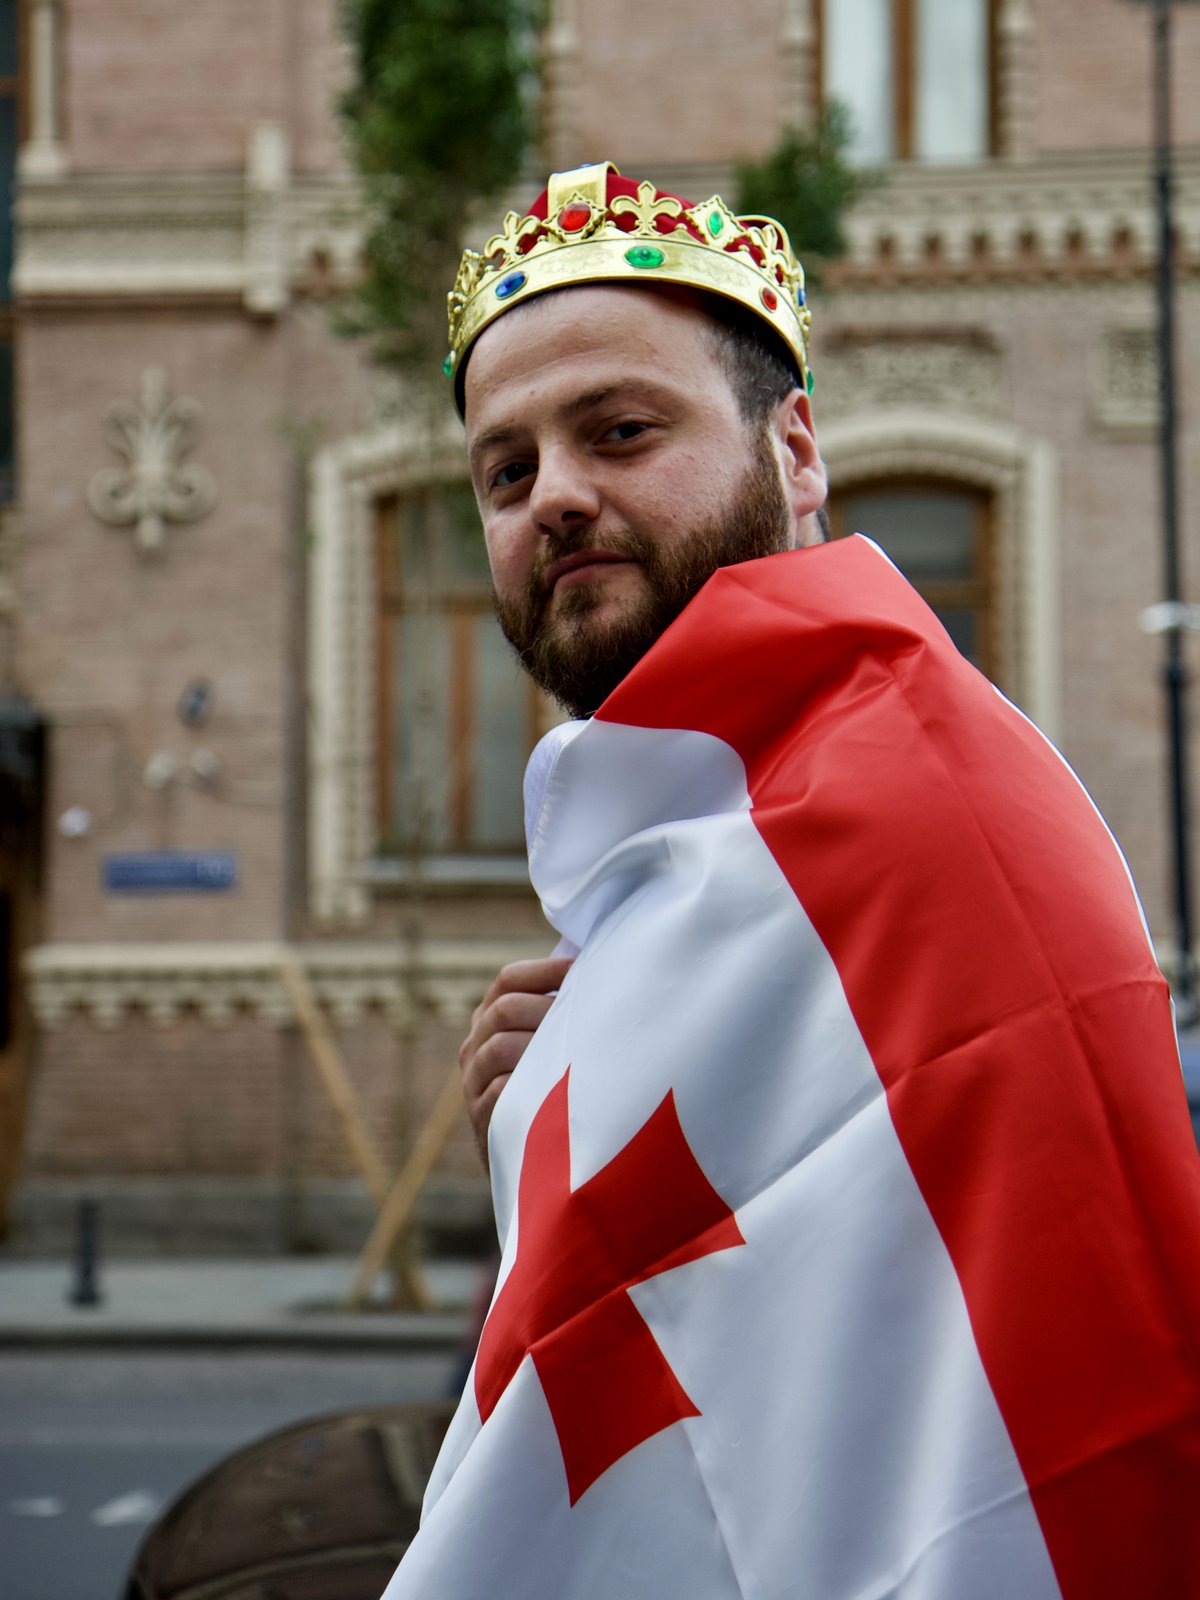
{"type": "Point", "coordinates": [939, 535]}
{"type": "Point", "coordinates": [917, 76]}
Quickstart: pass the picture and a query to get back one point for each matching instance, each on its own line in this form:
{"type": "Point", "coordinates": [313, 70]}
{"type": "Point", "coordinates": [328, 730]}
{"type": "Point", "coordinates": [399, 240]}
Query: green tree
{"type": "Point", "coordinates": [440, 117]}
{"type": "Point", "coordinates": [807, 183]}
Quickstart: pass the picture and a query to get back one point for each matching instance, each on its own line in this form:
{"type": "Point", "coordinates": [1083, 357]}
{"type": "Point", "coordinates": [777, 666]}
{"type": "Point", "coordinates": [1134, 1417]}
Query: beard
{"type": "Point", "coordinates": [578, 659]}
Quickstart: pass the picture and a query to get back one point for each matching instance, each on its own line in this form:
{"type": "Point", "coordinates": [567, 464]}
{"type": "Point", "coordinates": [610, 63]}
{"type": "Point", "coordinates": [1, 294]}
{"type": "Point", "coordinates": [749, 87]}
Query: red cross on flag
{"type": "Point", "coordinates": [857, 1253]}
{"type": "Point", "coordinates": [565, 1302]}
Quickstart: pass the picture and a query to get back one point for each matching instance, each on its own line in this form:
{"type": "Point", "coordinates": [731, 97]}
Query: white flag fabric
{"type": "Point", "coordinates": [849, 1209]}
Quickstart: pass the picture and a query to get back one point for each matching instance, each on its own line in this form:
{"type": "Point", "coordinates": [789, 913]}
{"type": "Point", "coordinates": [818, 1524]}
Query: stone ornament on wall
{"type": "Point", "coordinates": [858, 374]}
{"type": "Point", "coordinates": [155, 486]}
{"type": "Point", "coordinates": [1125, 381]}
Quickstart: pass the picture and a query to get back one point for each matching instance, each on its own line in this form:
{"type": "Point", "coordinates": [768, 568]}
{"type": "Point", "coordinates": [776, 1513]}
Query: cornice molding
{"type": "Point", "coordinates": [252, 241]}
{"type": "Point", "coordinates": [259, 238]}
{"type": "Point", "coordinates": [1067, 218]}
{"type": "Point", "coordinates": [441, 979]}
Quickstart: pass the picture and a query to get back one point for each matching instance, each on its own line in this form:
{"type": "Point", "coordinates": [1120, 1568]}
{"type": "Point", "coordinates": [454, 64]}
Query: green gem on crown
{"type": "Point", "coordinates": [808, 381]}
{"type": "Point", "coordinates": [715, 223]}
{"type": "Point", "coordinates": [448, 364]}
{"type": "Point", "coordinates": [644, 255]}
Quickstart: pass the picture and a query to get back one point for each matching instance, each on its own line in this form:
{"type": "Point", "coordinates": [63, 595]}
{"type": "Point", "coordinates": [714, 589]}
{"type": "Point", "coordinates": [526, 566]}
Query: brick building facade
{"type": "Point", "coordinates": [272, 660]}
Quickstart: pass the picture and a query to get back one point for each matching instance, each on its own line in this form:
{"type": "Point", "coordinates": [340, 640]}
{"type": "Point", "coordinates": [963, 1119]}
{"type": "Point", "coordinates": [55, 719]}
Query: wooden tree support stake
{"type": "Point", "coordinates": [336, 1080]}
{"type": "Point", "coordinates": [402, 1197]}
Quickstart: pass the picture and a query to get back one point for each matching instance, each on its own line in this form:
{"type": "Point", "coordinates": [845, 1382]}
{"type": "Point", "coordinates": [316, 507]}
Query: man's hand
{"type": "Point", "coordinates": [504, 1022]}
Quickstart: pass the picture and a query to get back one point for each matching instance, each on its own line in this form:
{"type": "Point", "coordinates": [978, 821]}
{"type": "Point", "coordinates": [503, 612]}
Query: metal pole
{"type": "Point", "coordinates": [1174, 670]}
{"type": "Point", "coordinates": [85, 1290]}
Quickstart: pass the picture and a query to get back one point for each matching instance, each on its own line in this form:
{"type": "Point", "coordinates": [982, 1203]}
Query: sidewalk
{"type": "Point", "coordinates": [297, 1300]}
{"type": "Point", "coordinates": [289, 1301]}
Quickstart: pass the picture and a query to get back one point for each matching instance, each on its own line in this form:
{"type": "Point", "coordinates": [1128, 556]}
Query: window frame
{"type": "Point", "coordinates": [463, 607]}
{"type": "Point", "coordinates": [977, 593]}
{"type": "Point", "coordinates": [904, 75]}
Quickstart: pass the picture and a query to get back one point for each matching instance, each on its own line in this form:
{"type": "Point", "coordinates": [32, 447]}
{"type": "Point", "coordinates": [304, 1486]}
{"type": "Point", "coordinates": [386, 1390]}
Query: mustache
{"type": "Point", "coordinates": [631, 546]}
{"type": "Point", "coordinates": [578, 654]}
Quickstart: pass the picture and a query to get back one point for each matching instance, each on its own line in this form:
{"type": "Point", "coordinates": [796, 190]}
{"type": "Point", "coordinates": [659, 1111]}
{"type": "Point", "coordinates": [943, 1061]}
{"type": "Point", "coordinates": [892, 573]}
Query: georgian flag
{"type": "Point", "coordinates": [849, 1208]}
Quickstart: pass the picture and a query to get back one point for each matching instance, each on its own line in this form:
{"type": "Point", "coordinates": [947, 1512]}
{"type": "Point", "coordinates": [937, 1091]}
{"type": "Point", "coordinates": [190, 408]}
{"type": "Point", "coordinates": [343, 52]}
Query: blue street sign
{"type": "Point", "coordinates": [171, 872]}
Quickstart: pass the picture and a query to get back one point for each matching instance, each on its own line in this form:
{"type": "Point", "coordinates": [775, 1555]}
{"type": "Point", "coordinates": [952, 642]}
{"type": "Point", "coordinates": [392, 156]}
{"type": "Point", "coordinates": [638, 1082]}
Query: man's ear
{"type": "Point", "coordinates": [804, 482]}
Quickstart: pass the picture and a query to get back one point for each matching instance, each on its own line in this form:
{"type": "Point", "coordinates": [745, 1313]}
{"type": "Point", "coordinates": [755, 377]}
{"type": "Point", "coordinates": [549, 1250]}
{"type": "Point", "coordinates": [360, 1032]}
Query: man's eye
{"type": "Point", "coordinates": [511, 472]}
{"type": "Point", "coordinates": [622, 432]}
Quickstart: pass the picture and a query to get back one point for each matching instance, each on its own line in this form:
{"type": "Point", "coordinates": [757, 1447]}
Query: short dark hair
{"type": "Point", "coordinates": [760, 368]}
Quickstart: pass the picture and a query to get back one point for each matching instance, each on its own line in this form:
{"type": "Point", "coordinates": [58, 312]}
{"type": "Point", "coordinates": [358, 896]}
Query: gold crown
{"type": "Point", "coordinates": [586, 238]}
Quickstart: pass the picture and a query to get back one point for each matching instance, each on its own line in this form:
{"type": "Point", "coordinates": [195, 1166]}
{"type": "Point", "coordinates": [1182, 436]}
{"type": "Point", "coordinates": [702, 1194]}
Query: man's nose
{"type": "Point", "coordinates": [564, 492]}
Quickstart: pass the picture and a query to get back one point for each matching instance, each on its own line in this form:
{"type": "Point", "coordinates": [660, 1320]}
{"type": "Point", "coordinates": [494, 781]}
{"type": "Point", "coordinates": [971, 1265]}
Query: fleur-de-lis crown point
{"type": "Point", "coordinates": [593, 226]}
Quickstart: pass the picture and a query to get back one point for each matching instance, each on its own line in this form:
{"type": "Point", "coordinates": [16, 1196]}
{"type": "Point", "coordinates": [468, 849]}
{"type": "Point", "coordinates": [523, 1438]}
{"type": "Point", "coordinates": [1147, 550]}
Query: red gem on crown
{"type": "Point", "coordinates": [572, 218]}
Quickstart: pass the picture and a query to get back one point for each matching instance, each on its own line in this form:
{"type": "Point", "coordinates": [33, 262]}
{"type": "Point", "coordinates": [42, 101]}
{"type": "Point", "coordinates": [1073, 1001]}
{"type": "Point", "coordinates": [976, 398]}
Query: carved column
{"type": "Point", "coordinates": [1016, 82]}
{"type": "Point", "coordinates": [798, 74]}
{"type": "Point", "coordinates": [267, 175]}
{"type": "Point", "coordinates": [44, 156]}
{"type": "Point", "coordinates": [559, 83]}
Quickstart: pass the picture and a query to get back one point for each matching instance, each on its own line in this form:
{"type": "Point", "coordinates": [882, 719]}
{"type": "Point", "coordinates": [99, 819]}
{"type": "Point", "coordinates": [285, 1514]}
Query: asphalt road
{"type": "Point", "coordinates": [93, 1444]}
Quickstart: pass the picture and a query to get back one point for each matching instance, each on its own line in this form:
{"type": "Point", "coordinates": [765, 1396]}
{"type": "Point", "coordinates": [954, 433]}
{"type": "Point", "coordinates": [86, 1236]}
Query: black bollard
{"type": "Point", "coordinates": [84, 1291]}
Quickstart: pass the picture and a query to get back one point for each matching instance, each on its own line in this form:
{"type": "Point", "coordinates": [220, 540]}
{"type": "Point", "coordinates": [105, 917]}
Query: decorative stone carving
{"type": "Point", "coordinates": [1125, 381]}
{"type": "Point", "coordinates": [1063, 218]}
{"type": "Point", "coordinates": [442, 979]}
{"type": "Point", "coordinates": [155, 486]}
{"type": "Point", "coordinates": [920, 369]}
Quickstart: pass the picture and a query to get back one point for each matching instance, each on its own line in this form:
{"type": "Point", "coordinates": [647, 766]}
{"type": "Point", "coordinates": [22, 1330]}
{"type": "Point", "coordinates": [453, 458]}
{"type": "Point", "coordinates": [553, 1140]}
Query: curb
{"type": "Point", "coordinates": [427, 1333]}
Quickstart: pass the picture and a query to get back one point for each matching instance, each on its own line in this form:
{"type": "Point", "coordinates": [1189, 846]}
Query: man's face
{"type": "Point", "coordinates": [614, 474]}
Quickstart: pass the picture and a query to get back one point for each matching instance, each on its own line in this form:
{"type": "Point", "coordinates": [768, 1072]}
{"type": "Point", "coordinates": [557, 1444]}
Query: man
{"type": "Point", "coordinates": [850, 1216]}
